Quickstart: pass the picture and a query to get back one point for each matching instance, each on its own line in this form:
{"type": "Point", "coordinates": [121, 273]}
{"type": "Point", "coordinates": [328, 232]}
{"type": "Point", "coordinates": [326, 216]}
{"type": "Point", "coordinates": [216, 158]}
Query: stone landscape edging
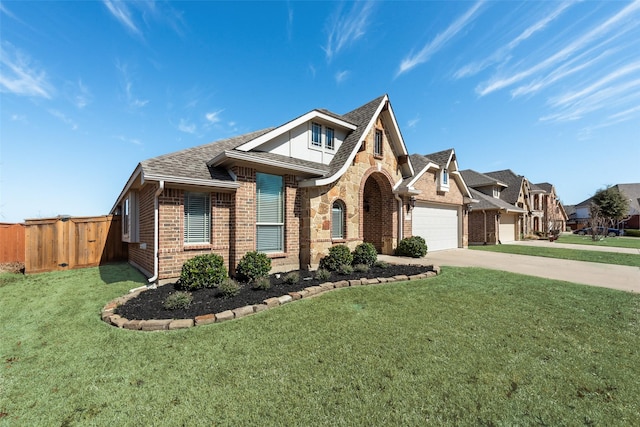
{"type": "Point", "coordinates": [108, 311]}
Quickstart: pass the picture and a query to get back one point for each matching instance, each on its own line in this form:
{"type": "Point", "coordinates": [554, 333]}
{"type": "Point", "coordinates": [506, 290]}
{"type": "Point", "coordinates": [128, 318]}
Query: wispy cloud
{"type": "Point", "coordinates": [19, 118]}
{"type": "Point", "coordinates": [19, 76]}
{"type": "Point", "coordinates": [502, 53]}
{"type": "Point", "coordinates": [616, 23]}
{"type": "Point", "coordinates": [213, 117]}
{"type": "Point", "coordinates": [78, 93]}
{"type": "Point", "coordinates": [413, 122]}
{"type": "Point", "coordinates": [127, 87]}
{"type": "Point", "coordinates": [134, 141]}
{"type": "Point", "coordinates": [412, 60]}
{"type": "Point", "coordinates": [341, 76]}
{"type": "Point", "coordinates": [120, 10]}
{"type": "Point", "coordinates": [289, 22]}
{"type": "Point", "coordinates": [344, 29]}
{"type": "Point", "coordinates": [187, 127]}
{"type": "Point", "coordinates": [63, 118]}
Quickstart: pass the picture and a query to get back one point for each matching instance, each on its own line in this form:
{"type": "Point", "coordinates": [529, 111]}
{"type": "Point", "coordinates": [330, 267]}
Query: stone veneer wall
{"type": "Point", "coordinates": [316, 208]}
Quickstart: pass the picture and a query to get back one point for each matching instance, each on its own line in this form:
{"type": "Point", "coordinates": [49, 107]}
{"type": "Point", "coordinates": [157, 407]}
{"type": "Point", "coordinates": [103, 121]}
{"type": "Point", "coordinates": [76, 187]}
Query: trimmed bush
{"type": "Point", "coordinates": [414, 247]}
{"type": "Point", "coordinates": [381, 264]}
{"type": "Point", "coordinates": [178, 300]}
{"type": "Point", "coordinates": [361, 268]}
{"type": "Point", "coordinates": [229, 288]}
{"type": "Point", "coordinates": [365, 253]}
{"type": "Point", "coordinates": [322, 274]}
{"type": "Point", "coordinates": [345, 269]}
{"type": "Point", "coordinates": [261, 283]}
{"type": "Point", "coordinates": [338, 255]}
{"type": "Point", "coordinates": [632, 233]}
{"type": "Point", "coordinates": [203, 271]}
{"type": "Point", "coordinates": [253, 266]}
{"type": "Point", "coordinates": [292, 278]}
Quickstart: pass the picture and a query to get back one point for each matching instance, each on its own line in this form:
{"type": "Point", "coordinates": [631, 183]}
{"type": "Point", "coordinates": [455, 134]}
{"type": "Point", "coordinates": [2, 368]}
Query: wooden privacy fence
{"type": "Point", "coordinates": [11, 243]}
{"type": "Point", "coordinates": [64, 243]}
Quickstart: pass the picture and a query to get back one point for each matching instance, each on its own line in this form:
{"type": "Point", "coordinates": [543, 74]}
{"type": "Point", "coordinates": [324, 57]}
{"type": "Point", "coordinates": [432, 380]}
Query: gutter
{"type": "Point", "coordinates": [156, 231]}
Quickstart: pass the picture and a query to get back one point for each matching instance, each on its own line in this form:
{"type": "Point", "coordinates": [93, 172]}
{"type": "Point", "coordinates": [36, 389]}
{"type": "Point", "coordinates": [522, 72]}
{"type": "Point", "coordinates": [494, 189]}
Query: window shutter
{"type": "Point", "coordinates": [197, 218]}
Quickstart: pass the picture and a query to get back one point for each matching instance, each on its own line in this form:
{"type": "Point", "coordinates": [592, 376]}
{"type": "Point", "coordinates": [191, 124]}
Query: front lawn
{"type": "Point", "coordinates": [562, 253]}
{"type": "Point", "coordinates": [471, 346]}
{"type": "Point", "coordinates": [617, 242]}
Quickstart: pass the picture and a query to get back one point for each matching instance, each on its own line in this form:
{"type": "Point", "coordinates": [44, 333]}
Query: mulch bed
{"type": "Point", "coordinates": [149, 304]}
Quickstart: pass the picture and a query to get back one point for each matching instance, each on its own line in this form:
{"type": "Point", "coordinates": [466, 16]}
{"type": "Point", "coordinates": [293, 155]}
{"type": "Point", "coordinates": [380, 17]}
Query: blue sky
{"type": "Point", "coordinates": [88, 89]}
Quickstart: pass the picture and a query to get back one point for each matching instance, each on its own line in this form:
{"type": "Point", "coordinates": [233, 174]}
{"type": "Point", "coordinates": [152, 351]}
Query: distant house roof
{"type": "Point", "coordinates": [476, 179]}
{"type": "Point", "coordinates": [489, 203]}
{"type": "Point", "coordinates": [511, 194]}
{"type": "Point", "coordinates": [631, 191]}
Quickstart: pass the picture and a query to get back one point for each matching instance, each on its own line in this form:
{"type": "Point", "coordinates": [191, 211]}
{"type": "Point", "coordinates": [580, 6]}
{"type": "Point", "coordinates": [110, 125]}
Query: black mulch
{"type": "Point", "coordinates": [149, 304]}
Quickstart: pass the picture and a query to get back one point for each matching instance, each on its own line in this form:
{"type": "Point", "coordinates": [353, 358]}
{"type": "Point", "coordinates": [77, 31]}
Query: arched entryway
{"type": "Point", "coordinates": [378, 213]}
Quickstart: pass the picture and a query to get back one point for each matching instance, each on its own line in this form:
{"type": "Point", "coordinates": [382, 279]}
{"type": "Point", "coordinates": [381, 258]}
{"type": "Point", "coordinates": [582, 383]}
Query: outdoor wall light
{"type": "Point", "coordinates": [412, 203]}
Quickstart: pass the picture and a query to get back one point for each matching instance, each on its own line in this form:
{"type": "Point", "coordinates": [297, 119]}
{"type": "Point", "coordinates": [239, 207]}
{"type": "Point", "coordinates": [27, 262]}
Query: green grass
{"type": "Point", "coordinates": [469, 347]}
{"type": "Point", "coordinates": [618, 242]}
{"type": "Point", "coordinates": [562, 253]}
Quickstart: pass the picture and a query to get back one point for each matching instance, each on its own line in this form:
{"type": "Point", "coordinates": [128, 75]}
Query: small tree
{"type": "Point", "coordinates": [608, 206]}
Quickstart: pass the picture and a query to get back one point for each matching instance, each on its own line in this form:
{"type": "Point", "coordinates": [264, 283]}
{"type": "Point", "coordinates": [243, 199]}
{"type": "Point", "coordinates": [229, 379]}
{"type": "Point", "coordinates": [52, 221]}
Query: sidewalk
{"type": "Point", "coordinates": [620, 277]}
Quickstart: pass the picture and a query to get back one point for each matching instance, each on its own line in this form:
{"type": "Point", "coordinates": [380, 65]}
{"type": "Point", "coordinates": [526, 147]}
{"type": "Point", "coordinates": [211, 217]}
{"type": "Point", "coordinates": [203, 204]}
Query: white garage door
{"type": "Point", "coordinates": [438, 225]}
{"type": "Point", "coordinates": [507, 228]}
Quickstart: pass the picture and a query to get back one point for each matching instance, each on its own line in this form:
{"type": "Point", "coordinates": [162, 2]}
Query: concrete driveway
{"type": "Point", "coordinates": [619, 277]}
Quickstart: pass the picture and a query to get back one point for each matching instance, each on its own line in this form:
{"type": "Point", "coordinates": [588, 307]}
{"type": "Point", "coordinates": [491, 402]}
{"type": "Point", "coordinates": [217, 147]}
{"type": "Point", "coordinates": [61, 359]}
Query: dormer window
{"type": "Point", "coordinates": [496, 193]}
{"type": "Point", "coordinates": [443, 182]}
{"type": "Point", "coordinates": [316, 135]}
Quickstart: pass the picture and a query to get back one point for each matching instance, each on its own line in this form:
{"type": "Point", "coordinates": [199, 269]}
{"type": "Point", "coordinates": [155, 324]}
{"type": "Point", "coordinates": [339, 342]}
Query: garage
{"type": "Point", "coordinates": [507, 228]}
{"type": "Point", "coordinates": [437, 224]}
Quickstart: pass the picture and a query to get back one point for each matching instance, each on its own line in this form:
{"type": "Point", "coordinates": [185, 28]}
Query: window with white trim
{"type": "Point", "coordinates": [197, 218]}
{"type": "Point", "coordinates": [329, 142]}
{"type": "Point", "coordinates": [270, 213]}
{"type": "Point", "coordinates": [377, 144]}
{"type": "Point", "coordinates": [337, 220]}
{"type": "Point", "coordinates": [316, 135]}
{"type": "Point", "coordinates": [130, 218]}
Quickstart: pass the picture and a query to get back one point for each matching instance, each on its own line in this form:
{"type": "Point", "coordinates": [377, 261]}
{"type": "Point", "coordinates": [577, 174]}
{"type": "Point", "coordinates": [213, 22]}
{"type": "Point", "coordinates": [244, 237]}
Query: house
{"type": "Point", "coordinates": [440, 200]}
{"type": "Point", "coordinates": [510, 207]}
{"type": "Point", "coordinates": [291, 191]}
{"type": "Point", "coordinates": [493, 219]}
{"type": "Point", "coordinates": [547, 212]}
{"type": "Point", "coordinates": [581, 217]}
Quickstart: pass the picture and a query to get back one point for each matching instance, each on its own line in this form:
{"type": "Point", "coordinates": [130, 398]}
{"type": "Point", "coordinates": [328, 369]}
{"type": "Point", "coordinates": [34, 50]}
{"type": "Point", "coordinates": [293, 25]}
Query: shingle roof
{"type": "Point", "coordinates": [545, 186]}
{"type": "Point", "coordinates": [441, 158]}
{"type": "Point", "coordinates": [477, 179]}
{"type": "Point", "coordinates": [192, 162]}
{"type": "Point", "coordinates": [632, 191]}
{"type": "Point", "coordinates": [514, 184]}
{"type": "Point", "coordinates": [486, 202]}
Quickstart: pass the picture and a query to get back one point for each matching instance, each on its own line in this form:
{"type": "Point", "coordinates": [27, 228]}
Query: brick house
{"type": "Point", "coordinates": [291, 191]}
{"type": "Point", "coordinates": [547, 212]}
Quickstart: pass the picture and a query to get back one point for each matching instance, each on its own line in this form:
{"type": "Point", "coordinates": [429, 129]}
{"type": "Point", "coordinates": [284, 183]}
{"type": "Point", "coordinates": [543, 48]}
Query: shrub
{"type": "Point", "coordinates": [632, 233]}
{"type": "Point", "coordinates": [229, 288]}
{"type": "Point", "coordinates": [178, 300]}
{"type": "Point", "coordinates": [338, 255]}
{"type": "Point", "coordinates": [381, 264]}
{"type": "Point", "coordinates": [345, 269]}
{"type": "Point", "coordinates": [365, 253]}
{"type": "Point", "coordinates": [361, 268]}
{"type": "Point", "coordinates": [253, 266]}
{"type": "Point", "coordinates": [203, 271]}
{"type": "Point", "coordinates": [261, 283]}
{"type": "Point", "coordinates": [292, 278]}
{"type": "Point", "coordinates": [322, 274]}
{"type": "Point", "coordinates": [414, 247]}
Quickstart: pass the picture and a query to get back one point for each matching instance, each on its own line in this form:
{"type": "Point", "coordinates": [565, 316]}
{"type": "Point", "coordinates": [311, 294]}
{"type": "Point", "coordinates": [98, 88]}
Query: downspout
{"type": "Point", "coordinates": [400, 218]}
{"type": "Point", "coordinates": [156, 234]}
{"type": "Point", "coordinates": [485, 226]}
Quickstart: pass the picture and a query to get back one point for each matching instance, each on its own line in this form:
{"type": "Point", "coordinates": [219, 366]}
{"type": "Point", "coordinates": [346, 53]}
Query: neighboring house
{"type": "Point", "coordinates": [292, 192]}
{"type": "Point", "coordinates": [440, 200]}
{"type": "Point", "coordinates": [547, 212]}
{"type": "Point", "coordinates": [631, 221]}
{"type": "Point", "coordinates": [493, 219]}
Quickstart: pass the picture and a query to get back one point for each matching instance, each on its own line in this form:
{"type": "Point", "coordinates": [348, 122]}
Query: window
{"type": "Point", "coordinates": [270, 213]}
{"type": "Point", "coordinates": [496, 193]}
{"type": "Point", "coordinates": [316, 135]}
{"type": "Point", "coordinates": [445, 177]}
{"type": "Point", "coordinates": [130, 218]}
{"type": "Point", "coordinates": [377, 145]}
{"type": "Point", "coordinates": [337, 220]}
{"type": "Point", "coordinates": [197, 218]}
{"type": "Point", "coordinates": [329, 139]}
